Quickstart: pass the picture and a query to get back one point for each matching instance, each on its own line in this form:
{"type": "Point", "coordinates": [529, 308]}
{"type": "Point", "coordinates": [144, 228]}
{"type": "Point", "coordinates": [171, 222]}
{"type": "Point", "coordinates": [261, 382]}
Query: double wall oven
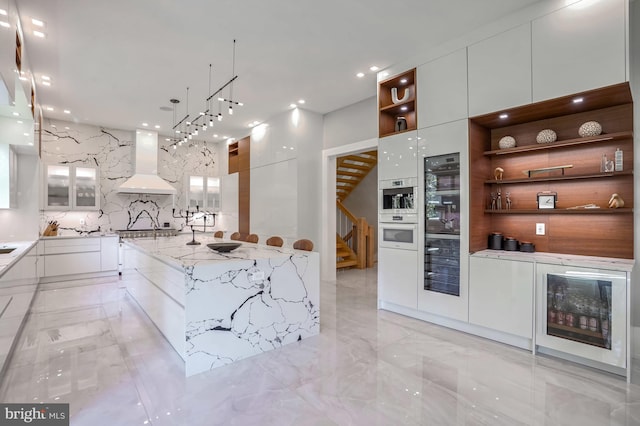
{"type": "Point", "coordinates": [398, 221]}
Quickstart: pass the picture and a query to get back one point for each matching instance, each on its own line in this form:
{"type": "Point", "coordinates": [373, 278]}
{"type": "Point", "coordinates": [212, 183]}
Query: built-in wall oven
{"type": "Point", "coordinates": [398, 235]}
{"type": "Point", "coordinates": [582, 312]}
{"type": "Point", "coordinates": [398, 196]}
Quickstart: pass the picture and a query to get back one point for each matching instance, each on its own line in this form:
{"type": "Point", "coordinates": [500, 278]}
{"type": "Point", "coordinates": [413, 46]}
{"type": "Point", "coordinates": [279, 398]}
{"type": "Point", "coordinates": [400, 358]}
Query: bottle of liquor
{"type": "Point", "coordinates": [619, 162]}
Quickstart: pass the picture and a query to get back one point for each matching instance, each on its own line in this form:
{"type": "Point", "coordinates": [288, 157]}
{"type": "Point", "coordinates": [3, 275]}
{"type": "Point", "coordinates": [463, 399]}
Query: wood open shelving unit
{"type": "Point", "coordinates": [598, 231]}
{"type": "Point", "coordinates": [388, 112]}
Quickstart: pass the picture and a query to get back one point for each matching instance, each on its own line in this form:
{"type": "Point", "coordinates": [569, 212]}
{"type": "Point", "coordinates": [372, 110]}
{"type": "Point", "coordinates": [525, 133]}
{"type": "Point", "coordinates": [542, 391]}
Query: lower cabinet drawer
{"type": "Point", "coordinates": [71, 263]}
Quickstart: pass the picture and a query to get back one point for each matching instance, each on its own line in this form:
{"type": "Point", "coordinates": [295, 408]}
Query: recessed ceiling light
{"type": "Point", "coordinates": [49, 108]}
{"type": "Point", "coordinates": [404, 108]}
{"type": "Point", "coordinates": [26, 134]}
{"type": "Point", "coordinates": [403, 81]}
{"type": "Point", "coordinates": [292, 105]}
{"type": "Point", "coordinates": [31, 143]}
{"type": "Point", "coordinates": [157, 126]}
{"type": "Point", "coordinates": [301, 101]}
{"type": "Point", "coordinates": [374, 68]}
{"type": "Point", "coordinates": [46, 77]}
{"type": "Point", "coordinates": [46, 83]}
{"type": "Point", "coordinates": [578, 100]}
{"type": "Point", "coordinates": [19, 121]}
{"type": "Point", "coordinates": [66, 127]}
{"type": "Point", "coordinates": [360, 75]}
{"type": "Point", "coordinates": [3, 12]}
{"type": "Point", "coordinates": [503, 116]}
{"type": "Point", "coordinates": [53, 125]}
{"type": "Point", "coordinates": [37, 22]}
{"type": "Point", "coordinates": [384, 74]}
{"type": "Point", "coordinates": [66, 111]}
{"type": "Point", "coordinates": [4, 24]}
{"type": "Point", "coordinates": [38, 33]}
{"type": "Point", "coordinates": [145, 124]}
{"type": "Point", "coordinates": [23, 78]}
{"type": "Point", "coordinates": [167, 139]}
{"type": "Point", "coordinates": [16, 114]}
{"type": "Point", "coordinates": [215, 135]}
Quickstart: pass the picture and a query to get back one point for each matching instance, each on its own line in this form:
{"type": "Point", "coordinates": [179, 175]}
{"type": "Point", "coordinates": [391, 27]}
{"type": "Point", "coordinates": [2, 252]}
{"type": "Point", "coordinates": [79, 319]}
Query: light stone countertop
{"type": "Point", "coordinates": [9, 259]}
{"type": "Point", "coordinates": [610, 263]}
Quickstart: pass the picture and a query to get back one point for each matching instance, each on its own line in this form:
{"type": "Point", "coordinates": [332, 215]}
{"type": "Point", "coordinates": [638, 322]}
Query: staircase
{"type": "Point", "coordinates": [355, 238]}
{"type": "Point", "coordinates": [351, 169]}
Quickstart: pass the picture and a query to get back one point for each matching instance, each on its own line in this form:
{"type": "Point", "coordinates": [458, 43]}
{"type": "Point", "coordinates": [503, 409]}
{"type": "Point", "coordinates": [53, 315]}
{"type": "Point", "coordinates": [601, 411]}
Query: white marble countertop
{"type": "Point", "coordinates": [67, 237]}
{"type": "Point", "coordinates": [8, 259]}
{"type": "Point", "coordinates": [175, 252]}
{"type": "Point", "coordinates": [610, 263]}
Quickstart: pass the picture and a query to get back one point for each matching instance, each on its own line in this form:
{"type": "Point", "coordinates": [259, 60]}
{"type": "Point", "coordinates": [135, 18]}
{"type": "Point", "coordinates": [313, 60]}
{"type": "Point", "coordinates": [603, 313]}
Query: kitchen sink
{"type": "Point", "coordinates": [5, 250]}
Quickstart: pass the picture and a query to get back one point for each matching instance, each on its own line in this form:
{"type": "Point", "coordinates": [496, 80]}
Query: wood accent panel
{"type": "Point", "coordinates": [479, 224]}
{"type": "Point", "coordinates": [232, 152]}
{"type": "Point", "coordinates": [600, 232]}
{"type": "Point", "coordinates": [244, 202]}
{"type": "Point", "coordinates": [244, 154]}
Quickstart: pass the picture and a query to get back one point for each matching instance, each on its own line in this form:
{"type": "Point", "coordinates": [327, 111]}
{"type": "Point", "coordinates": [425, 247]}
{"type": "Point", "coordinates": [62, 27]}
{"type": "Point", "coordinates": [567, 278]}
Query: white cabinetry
{"type": "Point", "coordinates": [578, 48]}
{"type": "Point", "coordinates": [500, 71]}
{"type": "Point", "coordinates": [443, 88]}
{"type": "Point", "coordinates": [82, 255]}
{"type": "Point", "coordinates": [109, 253]}
{"type": "Point", "coordinates": [204, 193]}
{"type": "Point", "coordinates": [397, 157]}
{"type": "Point", "coordinates": [71, 187]}
{"type": "Point", "coordinates": [17, 287]}
{"type": "Point", "coordinates": [8, 177]}
{"type": "Point", "coordinates": [501, 295]}
{"type": "Point", "coordinates": [398, 278]}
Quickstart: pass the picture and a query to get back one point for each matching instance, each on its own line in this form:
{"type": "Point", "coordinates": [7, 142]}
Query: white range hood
{"type": "Point", "coordinates": [145, 179]}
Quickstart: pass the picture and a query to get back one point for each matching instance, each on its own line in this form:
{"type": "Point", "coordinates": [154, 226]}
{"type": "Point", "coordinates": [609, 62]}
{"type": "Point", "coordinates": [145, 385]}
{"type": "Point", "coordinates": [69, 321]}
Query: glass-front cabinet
{"type": "Point", "coordinates": [204, 193]}
{"type": "Point", "coordinates": [442, 224]}
{"type": "Point", "coordinates": [69, 187]}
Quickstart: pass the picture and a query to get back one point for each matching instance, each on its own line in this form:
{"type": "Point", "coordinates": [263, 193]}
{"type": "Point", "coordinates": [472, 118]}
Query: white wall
{"type": "Point", "coordinates": [353, 123]}
{"type": "Point", "coordinates": [285, 176]}
{"type": "Point", "coordinates": [21, 224]}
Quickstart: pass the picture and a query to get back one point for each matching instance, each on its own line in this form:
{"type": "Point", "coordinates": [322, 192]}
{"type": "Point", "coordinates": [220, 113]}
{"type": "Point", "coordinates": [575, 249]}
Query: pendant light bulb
{"type": "Point", "coordinates": [195, 132]}
{"type": "Point", "coordinates": [204, 127]}
{"type": "Point", "coordinates": [174, 146]}
{"type": "Point", "coordinates": [190, 136]}
{"type": "Point", "coordinates": [211, 121]}
{"type": "Point", "coordinates": [230, 110]}
{"type": "Point", "coordinates": [219, 117]}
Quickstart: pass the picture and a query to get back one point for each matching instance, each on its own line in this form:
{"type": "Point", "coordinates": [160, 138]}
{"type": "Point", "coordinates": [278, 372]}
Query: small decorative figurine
{"type": "Point", "coordinates": [499, 200]}
{"type": "Point", "coordinates": [497, 173]}
{"type": "Point", "coordinates": [616, 201]}
{"type": "Point", "coordinates": [508, 200]}
{"type": "Point", "coordinates": [494, 198]}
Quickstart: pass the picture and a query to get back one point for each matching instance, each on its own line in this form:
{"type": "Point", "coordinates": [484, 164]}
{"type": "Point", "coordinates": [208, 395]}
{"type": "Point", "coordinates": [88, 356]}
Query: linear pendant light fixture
{"type": "Point", "coordinates": [187, 127]}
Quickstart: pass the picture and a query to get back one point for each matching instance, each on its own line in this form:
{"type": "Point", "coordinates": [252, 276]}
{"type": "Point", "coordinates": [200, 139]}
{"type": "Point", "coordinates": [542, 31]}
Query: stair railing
{"type": "Point", "coordinates": [357, 234]}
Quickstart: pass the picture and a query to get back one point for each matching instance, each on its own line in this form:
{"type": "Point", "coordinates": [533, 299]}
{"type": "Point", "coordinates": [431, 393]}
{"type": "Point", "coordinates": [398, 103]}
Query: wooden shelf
{"type": "Point", "coordinates": [601, 210]}
{"type": "Point", "coordinates": [388, 111]}
{"type": "Point", "coordinates": [559, 178]}
{"type": "Point", "coordinates": [588, 232]}
{"type": "Point", "coordinates": [561, 144]}
{"type": "Point", "coordinates": [577, 330]}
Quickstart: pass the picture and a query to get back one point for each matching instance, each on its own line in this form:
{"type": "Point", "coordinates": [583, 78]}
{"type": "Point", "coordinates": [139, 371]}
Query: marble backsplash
{"type": "Point", "coordinates": [112, 151]}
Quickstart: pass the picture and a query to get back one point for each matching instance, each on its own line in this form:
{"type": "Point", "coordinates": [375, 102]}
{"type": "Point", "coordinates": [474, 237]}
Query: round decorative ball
{"type": "Point", "coordinates": [507, 142]}
{"type": "Point", "coordinates": [590, 128]}
{"type": "Point", "coordinates": [546, 136]}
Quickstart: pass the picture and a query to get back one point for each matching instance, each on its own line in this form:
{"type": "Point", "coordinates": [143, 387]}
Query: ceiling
{"type": "Point", "coordinates": [117, 63]}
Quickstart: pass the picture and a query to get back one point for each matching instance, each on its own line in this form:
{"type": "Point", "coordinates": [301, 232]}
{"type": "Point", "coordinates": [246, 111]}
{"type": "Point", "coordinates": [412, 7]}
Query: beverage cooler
{"type": "Point", "coordinates": [442, 224]}
{"type": "Point", "coordinates": [583, 312]}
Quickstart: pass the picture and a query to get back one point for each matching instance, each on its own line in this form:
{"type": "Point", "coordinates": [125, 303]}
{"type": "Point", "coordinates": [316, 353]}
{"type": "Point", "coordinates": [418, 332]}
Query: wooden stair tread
{"type": "Point", "coordinates": [346, 263]}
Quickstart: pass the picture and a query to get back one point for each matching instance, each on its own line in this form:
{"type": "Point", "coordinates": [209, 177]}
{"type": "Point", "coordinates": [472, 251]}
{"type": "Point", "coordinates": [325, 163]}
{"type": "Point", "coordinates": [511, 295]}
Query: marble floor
{"type": "Point", "coordinates": [88, 344]}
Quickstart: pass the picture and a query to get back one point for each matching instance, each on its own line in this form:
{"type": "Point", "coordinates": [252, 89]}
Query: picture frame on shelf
{"type": "Point", "coordinates": [547, 200]}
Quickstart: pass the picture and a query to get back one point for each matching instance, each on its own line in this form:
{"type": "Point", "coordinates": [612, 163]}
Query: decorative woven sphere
{"type": "Point", "coordinates": [507, 142]}
{"type": "Point", "coordinates": [590, 128]}
{"type": "Point", "coordinates": [546, 136]}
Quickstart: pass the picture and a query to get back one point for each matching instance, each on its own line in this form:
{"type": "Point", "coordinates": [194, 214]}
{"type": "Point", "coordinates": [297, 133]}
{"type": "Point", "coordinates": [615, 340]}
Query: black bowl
{"type": "Point", "coordinates": [223, 247]}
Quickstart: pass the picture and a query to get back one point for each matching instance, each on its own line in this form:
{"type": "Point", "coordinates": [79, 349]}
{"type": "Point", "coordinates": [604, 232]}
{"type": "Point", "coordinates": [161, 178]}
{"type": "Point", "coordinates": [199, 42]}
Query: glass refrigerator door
{"type": "Point", "coordinates": [583, 313]}
{"type": "Point", "coordinates": [442, 224]}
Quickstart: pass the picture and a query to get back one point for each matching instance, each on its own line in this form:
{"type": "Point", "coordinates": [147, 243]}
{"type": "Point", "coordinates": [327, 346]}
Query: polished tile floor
{"type": "Point", "coordinates": [88, 344]}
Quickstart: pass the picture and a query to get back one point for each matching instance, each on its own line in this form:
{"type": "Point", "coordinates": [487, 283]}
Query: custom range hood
{"type": "Point", "coordinates": [145, 179]}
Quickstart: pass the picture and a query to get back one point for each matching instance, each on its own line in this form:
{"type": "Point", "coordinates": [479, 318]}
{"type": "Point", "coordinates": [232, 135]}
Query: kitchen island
{"type": "Point", "coordinates": [217, 308]}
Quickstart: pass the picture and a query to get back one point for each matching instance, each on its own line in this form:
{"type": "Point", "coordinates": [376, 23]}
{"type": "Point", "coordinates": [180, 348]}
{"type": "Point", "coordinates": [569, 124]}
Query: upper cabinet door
{"type": "Point", "coordinates": [86, 188]}
{"type": "Point", "coordinates": [500, 71]}
{"type": "Point", "coordinates": [397, 156]}
{"type": "Point", "coordinates": [578, 48]}
{"type": "Point", "coordinates": [442, 86]}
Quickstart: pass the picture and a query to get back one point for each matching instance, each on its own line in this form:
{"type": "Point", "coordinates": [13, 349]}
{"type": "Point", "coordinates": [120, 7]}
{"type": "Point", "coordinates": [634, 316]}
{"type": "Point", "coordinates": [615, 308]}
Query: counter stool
{"type": "Point", "coordinates": [303, 245]}
{"type": "Point", "coordinates": [235, 236]}
{"type": "Point", "coordinates": [252, 238]}
{"type": "Point", "coordinates": [218, 234]}
{"type": "Point", "coordinates": [275, 241]}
